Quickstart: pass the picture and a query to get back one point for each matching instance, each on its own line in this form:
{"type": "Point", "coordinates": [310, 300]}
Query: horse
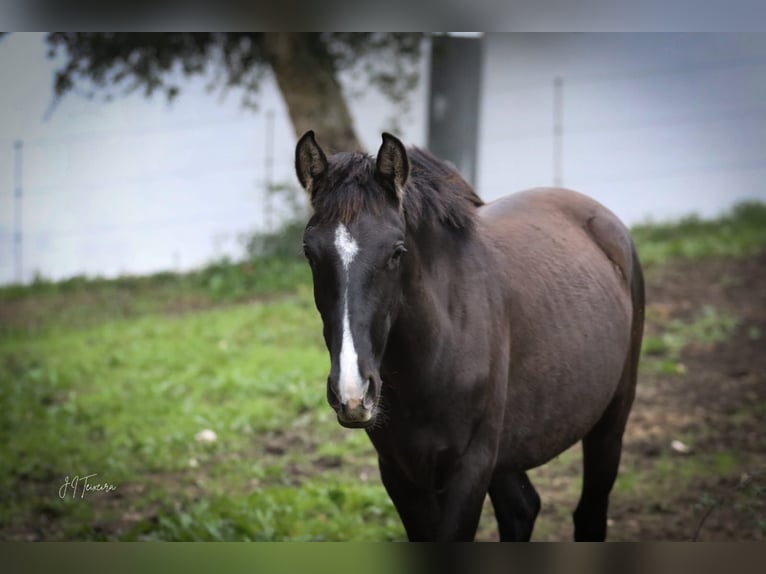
{"type": "Point", "coordinates": [472, 341]}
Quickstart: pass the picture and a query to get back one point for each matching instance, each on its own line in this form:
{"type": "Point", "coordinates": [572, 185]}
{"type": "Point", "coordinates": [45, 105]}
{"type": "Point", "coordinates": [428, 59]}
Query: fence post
{"type": "Point", "coordinates": [18, 148]}
{"type": "Point", "coordinates": [558, 131]}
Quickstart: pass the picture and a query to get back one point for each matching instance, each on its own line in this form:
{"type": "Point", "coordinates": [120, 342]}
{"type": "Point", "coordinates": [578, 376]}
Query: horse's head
{"type": "Point", "coordinates": [354, 243]}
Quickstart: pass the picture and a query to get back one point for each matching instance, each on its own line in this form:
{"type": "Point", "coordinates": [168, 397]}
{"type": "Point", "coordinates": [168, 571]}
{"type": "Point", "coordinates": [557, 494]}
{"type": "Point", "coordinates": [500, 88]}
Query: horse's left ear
{"type": "Point", "coordinates": [392, 165]}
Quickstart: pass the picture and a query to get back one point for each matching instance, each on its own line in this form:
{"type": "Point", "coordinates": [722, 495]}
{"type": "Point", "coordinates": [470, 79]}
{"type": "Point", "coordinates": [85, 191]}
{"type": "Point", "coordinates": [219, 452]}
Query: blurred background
{"type": "Point", "coordinates": [157, 328]}
{"type": "Point", "coordinates": [656, 126]}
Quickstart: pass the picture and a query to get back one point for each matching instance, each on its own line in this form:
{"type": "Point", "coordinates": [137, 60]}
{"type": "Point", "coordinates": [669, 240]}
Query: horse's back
{"type": "Point", "coordinates": [561, 211]}
{"type": "Point", "coordinates": [567, 265]}
{"type": "Point", "coordinates": [557, 231]}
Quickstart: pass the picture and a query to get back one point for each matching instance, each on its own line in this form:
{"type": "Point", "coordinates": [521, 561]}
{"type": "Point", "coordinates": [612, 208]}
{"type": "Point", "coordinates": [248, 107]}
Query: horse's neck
{"type": "Point", "coordinates": [439, 287]}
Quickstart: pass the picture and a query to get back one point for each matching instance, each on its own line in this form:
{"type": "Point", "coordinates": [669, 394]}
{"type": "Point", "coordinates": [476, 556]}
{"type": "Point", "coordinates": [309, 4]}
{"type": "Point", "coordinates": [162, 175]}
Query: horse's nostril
{"type": "Point", "coordinates": [368, 394]}
{"type": "Point", "coordinates": [332, 395]}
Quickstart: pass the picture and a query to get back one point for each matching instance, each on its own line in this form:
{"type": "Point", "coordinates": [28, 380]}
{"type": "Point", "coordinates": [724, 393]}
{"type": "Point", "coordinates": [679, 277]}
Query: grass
{"type": "Point", "coordinates": [125, 399]}
{"type": "Point", "coordinates": [82, 301]}
{"type": "Point", "coordinates": [219, 280]}
{"type": "Point", "coordinates": [739, 233]}
{"type": "Point", "coordinates": [117, 377]}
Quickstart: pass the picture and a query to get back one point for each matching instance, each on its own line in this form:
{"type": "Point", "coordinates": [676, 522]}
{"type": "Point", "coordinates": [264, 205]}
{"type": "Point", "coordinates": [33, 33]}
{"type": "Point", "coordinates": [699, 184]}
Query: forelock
{"type": "Point", "coordinates": [347, 189]}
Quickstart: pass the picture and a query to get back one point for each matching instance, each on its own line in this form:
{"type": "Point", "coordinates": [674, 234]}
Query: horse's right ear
{"type": "Point", "coordinates": [310, 161]}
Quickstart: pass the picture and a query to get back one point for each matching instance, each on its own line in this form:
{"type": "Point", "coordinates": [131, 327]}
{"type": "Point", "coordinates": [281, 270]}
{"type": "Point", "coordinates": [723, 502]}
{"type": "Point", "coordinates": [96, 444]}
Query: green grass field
{"type": "Point", "coordinates": [124, 398]}
{"type": "Point", "coordinates": [117, 378]}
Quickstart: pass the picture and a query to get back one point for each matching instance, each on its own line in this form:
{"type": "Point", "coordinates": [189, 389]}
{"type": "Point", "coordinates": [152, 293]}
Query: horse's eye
{"type": "Point", "coordinates": [399, 250]}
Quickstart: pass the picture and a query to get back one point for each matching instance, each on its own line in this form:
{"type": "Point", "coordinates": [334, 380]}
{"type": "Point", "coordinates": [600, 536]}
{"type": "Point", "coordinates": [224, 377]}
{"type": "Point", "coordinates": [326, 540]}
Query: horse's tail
{"type": "Point", "coordinates": [638, 299]}
{"type": "Point", "coordinates": [615, 241]}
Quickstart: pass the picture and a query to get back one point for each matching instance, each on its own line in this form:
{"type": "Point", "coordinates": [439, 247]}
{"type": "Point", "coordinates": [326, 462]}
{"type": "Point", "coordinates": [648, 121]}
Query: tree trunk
{"type": "Point", "coordinates": [306, 77]}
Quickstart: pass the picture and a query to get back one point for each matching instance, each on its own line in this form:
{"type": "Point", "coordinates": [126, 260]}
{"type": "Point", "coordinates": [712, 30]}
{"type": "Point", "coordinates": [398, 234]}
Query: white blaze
{"type": "Point", "coordinates": [350, 380]}
{"type": "Point", "coordinates": [346, 246]}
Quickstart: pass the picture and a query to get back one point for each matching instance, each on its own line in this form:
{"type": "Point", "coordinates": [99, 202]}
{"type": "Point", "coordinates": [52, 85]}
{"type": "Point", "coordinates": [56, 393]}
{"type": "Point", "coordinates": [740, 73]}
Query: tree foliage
{"type": "Point", "coordinates": [306, 67]}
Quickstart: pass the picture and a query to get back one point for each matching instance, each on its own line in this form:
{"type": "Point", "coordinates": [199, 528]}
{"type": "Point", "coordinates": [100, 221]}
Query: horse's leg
{"type": "Point", "coordinates": [449, 513]}
{"type": "Point", "coordinates": [417, 510]}
{"type": "Point", "coordinates": [461, 505]}
{"type": "Point", "coordinates": [602, 448]}
{"type": "Point", "coordinates": [601, 459]}
{"type": "Point", "coordinates": [516, 505]}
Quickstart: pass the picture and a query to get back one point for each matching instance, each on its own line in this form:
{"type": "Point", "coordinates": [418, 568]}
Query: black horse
{"type": "Point", "coordinates": [472, 342]}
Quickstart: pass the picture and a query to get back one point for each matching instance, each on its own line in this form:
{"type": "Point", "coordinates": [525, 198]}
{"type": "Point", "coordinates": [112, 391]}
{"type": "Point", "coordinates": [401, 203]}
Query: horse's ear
{"type": "Point", "coordinates": [392, 165]}
{"type": "Point", "coordinates": [310, 161]}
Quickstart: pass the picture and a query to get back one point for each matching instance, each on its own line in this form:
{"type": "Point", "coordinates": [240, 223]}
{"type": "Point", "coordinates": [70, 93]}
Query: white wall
{"type": "Point", "coordinates": [138, 185]}
{"type": "Point", "coordinates": [655, 125]}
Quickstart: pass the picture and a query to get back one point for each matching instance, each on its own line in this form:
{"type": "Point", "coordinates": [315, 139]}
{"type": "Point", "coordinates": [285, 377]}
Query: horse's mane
{"type": "Point", "coordinates": [435, 193]}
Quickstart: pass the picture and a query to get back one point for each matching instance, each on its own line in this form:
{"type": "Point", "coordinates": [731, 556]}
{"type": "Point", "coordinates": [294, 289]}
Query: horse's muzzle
{"type": "Point", "coordinates": [354, 417]}
{"type": "Point", "coordinates": [356, 413]}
